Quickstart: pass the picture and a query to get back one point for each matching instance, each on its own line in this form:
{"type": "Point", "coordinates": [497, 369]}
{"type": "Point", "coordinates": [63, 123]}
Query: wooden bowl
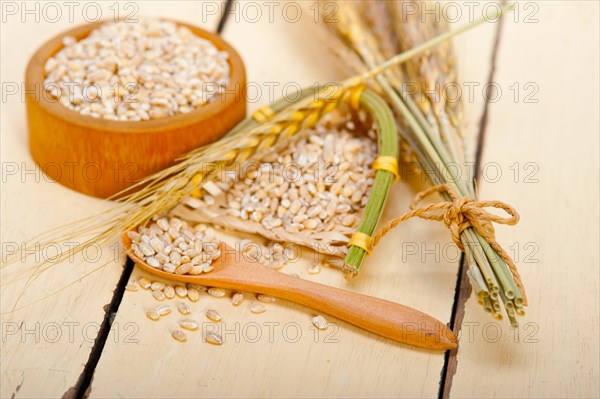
{"type": "Point", "coordinates": [102, 157]}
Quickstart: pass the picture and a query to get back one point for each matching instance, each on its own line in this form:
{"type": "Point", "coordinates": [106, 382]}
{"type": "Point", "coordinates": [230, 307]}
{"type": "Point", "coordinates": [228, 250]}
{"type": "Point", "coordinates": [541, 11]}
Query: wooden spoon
{"type": "Point", "coordinates": [389, 319]}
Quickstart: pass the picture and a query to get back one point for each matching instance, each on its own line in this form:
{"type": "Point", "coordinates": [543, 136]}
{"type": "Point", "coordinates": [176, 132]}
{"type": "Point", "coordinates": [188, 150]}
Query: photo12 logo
{"type": "Point", "coordinates": [271, 332]}
{"type": "Point", "coordinates": [272, 11]}
{"type": "Point", "coordinates": [493, 332]}
{"type": "Point", "coordinates": [69, 11]}
{"type": "Point", "coordinates": [66, 332]}
{"type": "Point", "coordinates": [467, 11]}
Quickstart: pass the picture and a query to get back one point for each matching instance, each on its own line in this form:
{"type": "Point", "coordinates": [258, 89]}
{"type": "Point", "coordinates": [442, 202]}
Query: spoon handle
{"type": "Point", "coordinates": [389, 319]}
{"type": "Point", "coordinates": [392, 320]}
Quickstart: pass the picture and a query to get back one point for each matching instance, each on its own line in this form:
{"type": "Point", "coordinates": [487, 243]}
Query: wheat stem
{"type": "Point", "coordinates": [388, 146]}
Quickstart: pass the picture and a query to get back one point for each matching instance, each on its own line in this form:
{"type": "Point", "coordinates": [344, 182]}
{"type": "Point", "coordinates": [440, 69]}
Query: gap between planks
{"type": "Point", "coordinates": [463, 288]}
{"type": "Point", "coordinates": [82, 386]}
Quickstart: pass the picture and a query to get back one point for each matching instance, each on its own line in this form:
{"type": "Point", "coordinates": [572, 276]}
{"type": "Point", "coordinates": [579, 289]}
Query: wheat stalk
{"type": "Point", "coordinates": [435, 71]}
{"type": "Point", "coordinates": [164, 190]}
{"type": "Point", "coordinates": [434, 129]}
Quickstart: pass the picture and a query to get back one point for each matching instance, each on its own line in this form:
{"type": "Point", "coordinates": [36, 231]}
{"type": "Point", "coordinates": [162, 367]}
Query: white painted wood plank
{"type": "Point", "coordinates": [554, 143]}
{"type": "Point", "coordinates": [45, 346]}
{"type": "Point", "coordinates": [356, 363]}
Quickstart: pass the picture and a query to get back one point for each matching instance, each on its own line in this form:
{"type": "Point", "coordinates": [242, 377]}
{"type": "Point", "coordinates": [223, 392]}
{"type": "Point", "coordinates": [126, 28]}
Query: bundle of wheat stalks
{"type": "Point", "coordinates": [365, 34]}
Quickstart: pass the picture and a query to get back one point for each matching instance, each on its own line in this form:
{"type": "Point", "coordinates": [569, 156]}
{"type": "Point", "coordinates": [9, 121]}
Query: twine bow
{"type": "Point", "coordinates": [459, 214]}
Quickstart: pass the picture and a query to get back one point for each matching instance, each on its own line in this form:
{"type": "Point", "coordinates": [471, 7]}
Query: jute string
{"type": "Point", "coordinates": [459, 214]}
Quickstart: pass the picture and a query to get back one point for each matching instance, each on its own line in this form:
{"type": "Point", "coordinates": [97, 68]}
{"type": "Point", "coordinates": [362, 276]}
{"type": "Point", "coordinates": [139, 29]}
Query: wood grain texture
{"type": "Point", "coordinates": [45, 346]}
{"type": "Point", "coordinates": [550, 137]}
{"type": "Point", "coordinates": [290, 360]}
{"type": "Point", "coordinates": [108, 156]}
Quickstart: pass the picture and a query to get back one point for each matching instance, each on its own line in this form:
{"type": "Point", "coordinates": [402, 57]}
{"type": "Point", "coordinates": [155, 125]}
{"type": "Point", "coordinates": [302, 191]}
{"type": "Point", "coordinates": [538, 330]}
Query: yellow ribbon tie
{"type": "Point", "coordinates": [362, 241]}
{"type": "Point", "coordinates": [387, 163]}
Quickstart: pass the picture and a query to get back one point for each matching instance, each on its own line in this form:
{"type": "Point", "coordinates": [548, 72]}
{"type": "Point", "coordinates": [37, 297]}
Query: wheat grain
{"type": "Point", "coordinates": [158, 295]}
{"type": "Point", "coordinates": [183, 308]}
{"type": "Point", "coordinates": [144, 283]}
{"type": "Point", "coordinates": [180, 291]}
{"type": "Point", "coordinates": [237, 298]}
{"type": "Point", "coordinates": [193, 294]}
{"type": "Point", "coordinates": [320, 322]}
{"type": "Point", "coordinates": [157, 286]}
{"type": "Point", "coordinates": [131, 287]}
{"type": "Point", "coordinates": [314, 269]}
{"type": "Point", "coordinates": [163, 310]}
{"type": "Point", "coordinates": [216, 292]}
{"type": "Point", "coordinates": [213, 338]}
{"type": "Point", "coordinates": [213, 315]}
{"type": "Point", "coordinates": [266, 298]}
{"type": "Point", "coordinates": [189, 324]}
{"type": "Point", "coordinates": [169, 292]}
{"type": "Point", "coordinates": [179, 335]}
{"type": "Point", "coordinates": [257, 308]}
{"type": "Point", "coordinates": [152, 314]}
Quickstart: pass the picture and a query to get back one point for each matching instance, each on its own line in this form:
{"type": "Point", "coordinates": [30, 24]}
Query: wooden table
{"type": "Point", "coordinates": [540, 154]}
